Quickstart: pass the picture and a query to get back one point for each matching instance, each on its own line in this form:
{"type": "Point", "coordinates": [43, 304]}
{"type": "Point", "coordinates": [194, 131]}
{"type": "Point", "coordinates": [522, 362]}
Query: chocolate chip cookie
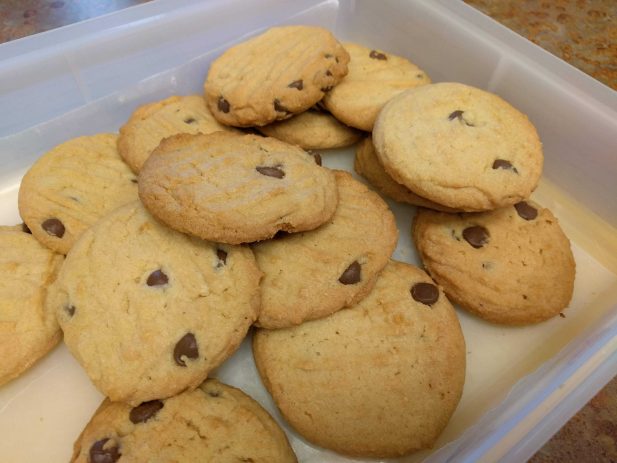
{"type": "Point", "coordinates": [234, 188]}
{"type": "Point", "coordinates": [380, 379]}
{"type": "Point", "coordinates": [281, 72]}
{"type": "Point", "coordinates": [374, 77]}
{"type": "Point", "coordinates": [459, 146]}
{"type": "Point", "coordinates": [152, 122]}
{"type": "Point", "coordinates": [147, 311]}
{"type": "Point", "coordinates": [72, 186]}
{"type": "Point", "coordinates": [213, 423]}
{"type": "Point", "coordinates": [27, 329]}
{"type": "Point", "coordinates": [512, 266]}
{"type": "Point", "coordinates": [313, 274]}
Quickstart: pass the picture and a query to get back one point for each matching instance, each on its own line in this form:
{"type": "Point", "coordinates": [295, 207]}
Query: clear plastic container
{"type": "Point", "coordinates": [522, 383]}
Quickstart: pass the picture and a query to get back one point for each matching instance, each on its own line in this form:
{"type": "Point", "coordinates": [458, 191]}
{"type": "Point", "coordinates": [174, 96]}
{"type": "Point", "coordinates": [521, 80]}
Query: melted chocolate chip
{"type": "Point", "coordinates": [525, 211]}
{"type": "Point", "coordinates": [327, 89]}
{"type": "Point", "coordinates": [352, 274]}
{"type": "Point", "coordinates": [134, 180]}
{"type": "Point", "coordinates": [328, 73]}
{"type": "Point", "coordinates": [222, 255]}
{"type": "Point", "coordinates": [186, 347]}
{"type": "Point", "coordinates": [503, 164]}
{"type": "Point", "coordinates": [476, 236]}
{"type": "Point", "coordinates": [458, 114]}
{"type": "Point", "coordinates": [278, 107]}
{"type": "Point", "coordinates": [377, 55]}
{"type": "Point", "coordinates": [70, 309]}
{"type": "Point", "coordinates": [53, 227]}
{"type": "Point", "coordinates": [190, 120]}
{"type": "Point", "coordinates": [223, 105]}
{"type": "Point", "coordinates": [426, 293]}
{"type": "Point", "coordinates": [25, 229]}
{"type": "Point", "coordinates": [275, 171]}
{"type": "Point", "coordinates": [297, 84]}
{"type": "Point", "coordinates": [316, 158]}
{"type": "Point", "coordinates": [101, 454]}
{"type": "Point", "coordinates": [157, 278]}
{"type": "Point", "coordinates": [145, 411]}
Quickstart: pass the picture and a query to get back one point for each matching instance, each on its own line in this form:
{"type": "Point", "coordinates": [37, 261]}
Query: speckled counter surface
{"type": "Point", "coordinates": [582, 32]}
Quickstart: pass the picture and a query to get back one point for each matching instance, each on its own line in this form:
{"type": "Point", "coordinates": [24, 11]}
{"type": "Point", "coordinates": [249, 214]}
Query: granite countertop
{"type": "Point", "coordinates": [582, 32]}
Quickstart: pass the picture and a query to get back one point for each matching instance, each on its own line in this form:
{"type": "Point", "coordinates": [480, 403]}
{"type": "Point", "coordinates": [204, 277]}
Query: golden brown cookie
{"type": "Point", "coordinates": [234, 188]}
{"type": "Point", "coordinates": [282, 72]}
{"type": "Point", "coordinates": [374, 77]}
{"type": "Point", "coordinates": [313, 274]}
{"type": "Point", "coordinates": [459, 146]}
{"type": "Point", "coordinates": [150, 123]}
{"type": "Point", "coordinates": [147, 311]}
{"type": "Point", "coordinates": [72, 186]}
{"type": "Point", "coordinates": [512, 265]}
{"type": "Point", "coordinates": [380, 379]}
{"type": "Point", "coordinates": [213, 423]}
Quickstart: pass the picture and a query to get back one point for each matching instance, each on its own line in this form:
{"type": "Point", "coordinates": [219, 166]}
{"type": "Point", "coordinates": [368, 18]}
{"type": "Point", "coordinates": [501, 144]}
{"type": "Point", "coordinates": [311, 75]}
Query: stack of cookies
{"type": "Point", "coordinates": [184, 231]}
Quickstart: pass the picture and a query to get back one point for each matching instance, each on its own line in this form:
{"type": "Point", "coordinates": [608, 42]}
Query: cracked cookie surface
{"type": "Point", "coordinates": [512, 266]}
{"type": "Point", "coordinates": [213, 423]}
{"type": "Point", "coordinates": [72, 186]}
{"type": "Point", "coordinates": [281, 72]}
{"type": "Point", "coordinates": [234, 188]}
{"type": "Point", "coordinates": [378, 379]}
{"type": "Point", "coordinates": [459, 146]}
{"type": "Point", "coordinates": [312, 274]}
{"type": "Point", "coordinates": [148, 311]}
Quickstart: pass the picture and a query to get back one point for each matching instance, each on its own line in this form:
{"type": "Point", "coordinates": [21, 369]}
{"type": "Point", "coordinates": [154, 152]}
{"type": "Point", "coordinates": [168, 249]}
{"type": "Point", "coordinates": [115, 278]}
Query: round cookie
{"type": "Point", "coordinates": [234, 188]}
{"type": "Point", "coordinates": [459, 146]}
{"type": "Point", "coordinates": [281, 72]}
{"type": "Point", "coordinates": [72, 186]}
{"type": "Point", "coordinates": [314, 130]}
{"type": "Point", "coordinates": [213, 423]}
{"type": "Point", "coordinates": [374, 77]}
{"type": "Point", "coordinates": [152, 122]}
{"type": "Point", "coordinates": [148, 311]}
{"type": "Point", "coordinates": [367, 164]}
{"type": "Point", "coordinates": [512, 266]}
{"type": "Point", "coordinates": [380, 379]}
{"type": "Point", "coordinates": [27, 330]}
{"type": "Point", "coordinates": [313, 274]}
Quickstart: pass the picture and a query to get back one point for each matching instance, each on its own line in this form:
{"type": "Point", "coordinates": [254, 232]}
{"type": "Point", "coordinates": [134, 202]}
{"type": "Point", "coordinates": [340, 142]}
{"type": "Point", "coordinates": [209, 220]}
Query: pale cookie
{"type": "Point", "coordinates": [234, 188]}
{"type": "Point", "coordinates": [313, 129]}
{"type": "Point", "coordinates": [459, 146]}
{"type": "Point", "coordinates": [72, 186]}
{"type": "Point", "coordinates": [281, 72]}
{"type": "Point", "coordinates": [27, 330]}
{"type": "Point", "coordinates": [213, 423]}
{"type": "Point", "coordinates": [148, 311]}
{"type": "Point", "coordinates": [380, 379]}
{"type": "Point", "coordinates": [374, 77]}
{"type": "Point", "coordinates": [152, 122]}
{"type": "Point", "coordinates": [313, 274]}
{"type": "Point", "coordinates": [367, 164]}
{"type": "Point", "coordinates": [512, 266]}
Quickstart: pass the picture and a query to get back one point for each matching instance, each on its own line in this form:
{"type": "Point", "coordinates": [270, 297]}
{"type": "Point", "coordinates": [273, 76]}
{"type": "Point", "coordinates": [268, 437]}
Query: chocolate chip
{"type": "Point", "coordinates": [279, 107]}
{"type": "Point", "coordinates": [328, 55]}
{"type": "Point", "coordinates": [377, 55]}
{"type": "Point", "coordinates": [190, 120]}
{"type": "Point", "coordinates": [525, 211]}
{"type": "Point", "coordinates": [297, 84]}
{"type": "Point", "coordinates": [134, 180]}
{"type": "Point", "coordinates": [222, 255]}
{"type": "Point", "coordinates": [101, 454]}
{"type": "Point", "coordinates": [275, 171]}
{"type": "Point", "coordinates": [157, 278]}
{"type": "Point", "coordinates": [426, 293]}
{"type": "Point", "coordinates": [352, 274]}
{"type": "Point", "coordinates": [25, 229]}
{"type": "Point", "coordinates": [186, 347]}
{"type": "Point", "coordinates": [458, 114]}
{"type": "Point", "coordinates": [316, 158]}
{"type": "Point", "coordinates": [503, 164]}
{"type": "Point", "coordinates": [53, 227]}
{"type": "Point", "coordinates": [477, 236]}
{"type": "Point", "coordinates": [327, 89]}
{"type": "Point", "coordinates": [328, 73]}
{"type": "Point", "coordinates": [145, 411]}
{"type": "Point", "coordinates": [223, 105]}
{"type": "Point", "coordinates": [70, 309]}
